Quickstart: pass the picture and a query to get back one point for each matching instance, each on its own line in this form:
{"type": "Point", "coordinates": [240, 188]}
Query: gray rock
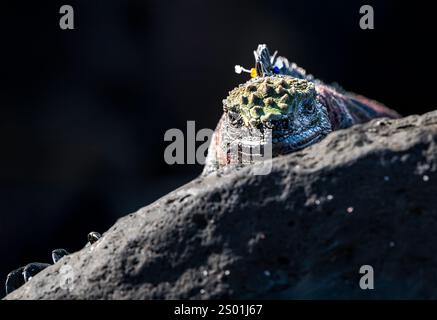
{"type": "Point", "coordinates": [363, 196]}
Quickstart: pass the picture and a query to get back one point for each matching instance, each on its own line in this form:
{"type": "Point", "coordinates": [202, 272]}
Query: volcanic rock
{"type": "Point", "coordinates": [365, 196]}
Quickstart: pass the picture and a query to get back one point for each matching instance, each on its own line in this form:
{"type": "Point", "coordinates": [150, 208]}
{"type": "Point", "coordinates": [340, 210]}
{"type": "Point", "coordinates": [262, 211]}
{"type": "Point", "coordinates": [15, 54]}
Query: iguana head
{"type": "Point", "coordinates": [286, 105]}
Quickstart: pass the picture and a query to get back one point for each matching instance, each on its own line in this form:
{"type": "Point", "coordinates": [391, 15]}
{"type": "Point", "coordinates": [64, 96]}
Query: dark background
{"type": "Point", "coordinates": [83, 113]}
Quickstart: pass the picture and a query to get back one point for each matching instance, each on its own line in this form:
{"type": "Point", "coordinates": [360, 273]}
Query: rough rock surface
{"type": "Point", "coordinates": [363, 196]}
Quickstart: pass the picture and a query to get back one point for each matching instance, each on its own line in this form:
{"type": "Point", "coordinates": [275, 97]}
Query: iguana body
{"type": "Point", "coordinates": [293, 108]}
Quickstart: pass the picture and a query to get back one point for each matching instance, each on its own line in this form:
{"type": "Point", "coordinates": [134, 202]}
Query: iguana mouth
{"type": "Point", "coordinates": [296, 141]}
{"type": "Point", "coordinates": [311, 140]}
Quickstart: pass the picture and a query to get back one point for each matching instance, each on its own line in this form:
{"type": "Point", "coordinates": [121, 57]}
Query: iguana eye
{"type": "Point", "coordinates": [309, 107]}
{"type": "Point", "coordinates": [235, 118]}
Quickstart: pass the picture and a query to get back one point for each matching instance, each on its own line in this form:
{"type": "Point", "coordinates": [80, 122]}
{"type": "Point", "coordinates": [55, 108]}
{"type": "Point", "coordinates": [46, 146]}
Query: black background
{"type": "Point", "coordinates": [83, 112]}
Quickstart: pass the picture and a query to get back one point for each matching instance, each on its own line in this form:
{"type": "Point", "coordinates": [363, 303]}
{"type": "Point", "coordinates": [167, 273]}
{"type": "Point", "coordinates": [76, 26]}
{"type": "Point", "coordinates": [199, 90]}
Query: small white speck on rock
{"type": "Point", "coordinates": [330, 197]}
{"type": "Point", "coordinates": [350, 209]}
{"type": "Point", "coordinates": [267, 273]}
{"type": "Point", "coordinates": [205, 273]}
{"type": "Point", "coordinates": [425, 178]}
{"type": "Point", "coordinates": [202, 291]}
{"type": "Point", "coordinates": [227, 272]}
{"type": "Point", "coordinates": [386, 178]}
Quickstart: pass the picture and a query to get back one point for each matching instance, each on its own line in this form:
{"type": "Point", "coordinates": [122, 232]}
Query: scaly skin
{"type": "Point", "coordinates": [287, 105]}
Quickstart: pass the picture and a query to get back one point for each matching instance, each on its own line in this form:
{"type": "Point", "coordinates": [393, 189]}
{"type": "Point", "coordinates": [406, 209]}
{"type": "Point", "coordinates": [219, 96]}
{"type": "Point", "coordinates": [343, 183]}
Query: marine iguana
{"type": "Point", "coordinates": [285, 104]}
